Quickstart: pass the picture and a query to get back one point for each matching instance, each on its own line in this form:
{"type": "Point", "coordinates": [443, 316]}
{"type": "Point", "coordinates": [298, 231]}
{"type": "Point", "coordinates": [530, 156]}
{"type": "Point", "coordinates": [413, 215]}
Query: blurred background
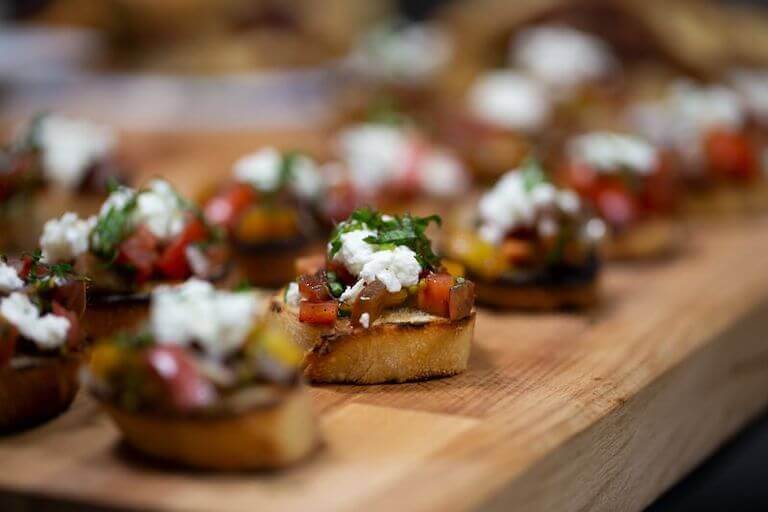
{"type": "Point", "coordinates": [236, 67]}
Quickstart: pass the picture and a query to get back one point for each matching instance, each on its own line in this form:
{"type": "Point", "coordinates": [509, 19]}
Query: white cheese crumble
{"type": "Point", "coordinates": [263, 171]}
{"type": "Point", "coordinates": [395, 268]}
{"type": "Point", "coordinates": [351, 292]}
{"type": "Point", "coordinates": [365, 320]}
{"type": "Point", "coordinates": [292, 295]}
{"type": "Point", "coordinates": [611, 152]}
{"type": "Point", "coordinates": [70, 146]}
{"type": "Point", "coordinates": [378, 155]}
{"type": "Point", "coordinates": [47, 331]}
{"type": "Point", "coordinates": [511, 204]}
{"type": "Point", "coordinates": [752, 86]}
{"type": "Point", "coordinates": [562, 57]}
{"type": "Point", "coordinates": [161, 210]}
{"type": "Point", "coordinates": [9, 278]}
{"type": "Point", "coordinates": [510, 100]}
{"type": "Point", "coordinates": [195, 312]}
{"type": "Point", "coordinates": [412, 53]}
{"type": "Point", "coordinates": [66, 238]}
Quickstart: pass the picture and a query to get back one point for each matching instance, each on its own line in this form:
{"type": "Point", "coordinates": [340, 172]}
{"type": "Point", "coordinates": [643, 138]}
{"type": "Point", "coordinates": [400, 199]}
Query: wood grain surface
{"type": "Point", "coordinates": [600, 411]}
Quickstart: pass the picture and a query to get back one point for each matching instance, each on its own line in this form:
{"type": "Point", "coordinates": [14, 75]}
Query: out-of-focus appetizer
{"type": "Point", "coordinates": [276, 208]}
{"type": "Point", "coordinates": [632, 185]}
{"type": "Point", "coordinates": [41, 343]}
{"type": "Point", "coordinates": [54, 164]}
{"type": "Point", "coordinates": [207, 383]}
{"type": "Point", "coordinates": [395, 167]}
{"type": "Point", "coordinates": [707, 128]}
{"type": "Point", "coordinates": [504, 115]}
{"type": "Point", "coordinates": [139, 238]}
{"type": "Point", "coordinates": [527, 244]}
{"type": "Point", "coordinates": [380, 307]}
{"type": "Point", "coordinates": [402, 61]}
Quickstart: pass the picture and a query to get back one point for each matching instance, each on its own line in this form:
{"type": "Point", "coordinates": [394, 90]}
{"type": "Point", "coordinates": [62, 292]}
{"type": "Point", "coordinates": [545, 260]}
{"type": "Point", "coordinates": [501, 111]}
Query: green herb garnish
{"type": "Point", "coordinates": [406, 230]}
{"type": "Point", "coordinates": [533, 174]}
{"type": "Point", "coordinates": [111, 228]}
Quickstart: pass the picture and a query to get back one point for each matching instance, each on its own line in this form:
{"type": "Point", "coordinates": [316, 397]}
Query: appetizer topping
{"type": "Point", "coordinates": [526, 225]}
{"type": "Point", "coordinates": [66, 238]}
{"type": "Point", "coordinates": [509, 100]}
{"type": "Point", "coordinates": [608, 152]}
{"type": "Point", "coordinates": [204, 351]}
{"type": "Point", "coordinates": [752, 85]}
{"type": "Point", "coordinates": [9, 278]}
{"type": "Point", "coordinates": [523, 198]}
{"type": "Point", "coordinates": [144, 233]}
{"type": "Point", "coordinates": [562, 57]}
{"type": "Point", "coordinates": [376, 262]}
{"type": "Point", "coordinates": [404, 52]}
{"type": "Point", "coordinates": [47, 331]}
{"type": "Point", "coordinates": [385, 156]}
{"type": "Point", "coordinates": [268, 171]}
{"type": "Point", "coordinates": [69, 147]}
{"type": "Point", "coordinates": [195, 312]}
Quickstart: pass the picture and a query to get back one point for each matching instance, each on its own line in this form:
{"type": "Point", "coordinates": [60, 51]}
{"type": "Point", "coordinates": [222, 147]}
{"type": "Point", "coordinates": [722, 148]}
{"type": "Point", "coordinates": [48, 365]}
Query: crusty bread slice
{"type": "Point", "coordinates": [402, 345]}
{"type": "Point", "coordinates": [536, 297]}
{"type": "Point", "coordinates": [33, 390]}
{"type": "Point", "coordinates": [654, 238]}
{"type": "Point", "coordinates": [267, 436]}
{"type": "Point", "coordinates": [104, 318]}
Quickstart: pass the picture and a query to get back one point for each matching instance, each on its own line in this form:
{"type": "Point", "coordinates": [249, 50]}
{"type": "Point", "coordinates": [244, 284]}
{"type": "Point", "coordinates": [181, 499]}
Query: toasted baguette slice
{"type": "Point", "coordinates": [33, 390]}
{"type": "Point", "coordinates": [402, 345]}
{"type": "Point", "coordinates": [535, 297]}
{"type": "Point", "coordinates": [656, 238]}
{"type": "Point", "coordinates": [267, 436]}
{"type": "Point", "coordinates": [726, 201]}
{"type": "Point", "coordinates": [104, 318]}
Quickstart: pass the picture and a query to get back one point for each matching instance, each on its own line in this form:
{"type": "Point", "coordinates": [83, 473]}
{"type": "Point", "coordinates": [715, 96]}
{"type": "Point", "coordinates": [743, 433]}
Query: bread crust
{"type": "Point", "coordinates": [653, 238]}
{"type": "Point", "coordinates": [37, 391]}
{"type": "Point", "coordinates": [536, 297]}
{"type": "Point", "coordinates": [104, 318]}
{"type": "Point", "coordinates": [268, 436]}
{"type": "Point", "coordinates": [402, 345]}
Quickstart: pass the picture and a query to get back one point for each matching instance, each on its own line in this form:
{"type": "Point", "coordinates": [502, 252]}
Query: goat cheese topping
{"type": "Point", "coordinates": [611, 152]}
{"type": "Point", "coordinates": [682, 119]}
{"type": "Point", "coordinates": [411, 53]}
{"type": "Point", "coordinates": [562, 57]}
{"type": "Point", "coordinates": [395, 268]}
{"type": "Point", "coordinates": [70, 146]}
{"type": "Point", "coordinates": [513, 203]}
{"type": "Point", "coordinates": [292, 295]}
{"type": "Point", "coordinates": [510, 100]}
{"type": "Point", "coordinates": [378, 155]}
{"type": "Point", "coordinates": [66, 238]}
{"type": "Point", "coordinates": [9, 278]}
{"type": "Point", "coordinates": [47, 331]}
{"type": "Point", "coordinates": [161, 210]}
{"type": "Point", "coordinates": [264, 170]}
{"type": "Point", "coordinates": [195, 312]}
{"type": "Point", "coordinates": [752, 85]}
{"type": "Point", "coordinates": [365, 320]}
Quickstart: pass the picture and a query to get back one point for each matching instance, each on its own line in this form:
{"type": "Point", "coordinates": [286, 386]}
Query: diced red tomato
{"type": "Point", "coordinates": [314, 287]}
{"type": "Point", "coordinates": [461, 299]}
{"type": "Point", "coordinates": [224, 208]}
{"type": "Point", "coordinates": [185, 386]}
{"type": "Point", "coordinates": [578, 176]}
{"type": "Point", "coordinates": [320, 313]}
{"type": "Point", "coordinates": [8, 337]}
{"type": "Point", "coordinates": [616, 206]}
{"type": "Point", "coordinates": [139, 251]}
{"type": "Point", "coordinates": [172, 262]}
{"type": "Point", "coordinates": [434, 296]}
{"type": "Point", "coordinates": [74, 335]}
{"type": "Point", "coordinates": [371, 300]}
{"type": "Point", "coordinates": [661, 189]}
{"type": "Point", "coordinates": [731, 155]}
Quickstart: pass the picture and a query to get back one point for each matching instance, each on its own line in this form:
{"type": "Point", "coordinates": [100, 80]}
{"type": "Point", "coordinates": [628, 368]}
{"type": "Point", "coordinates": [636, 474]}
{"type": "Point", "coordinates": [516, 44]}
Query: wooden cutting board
{"type": "Point", "coordinates": [597, 411]}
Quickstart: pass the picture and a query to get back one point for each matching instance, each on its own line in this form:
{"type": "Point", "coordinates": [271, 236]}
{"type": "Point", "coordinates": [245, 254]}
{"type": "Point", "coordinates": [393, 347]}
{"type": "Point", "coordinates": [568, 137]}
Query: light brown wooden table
{"type": "Point", "coordinates": [596, 411]}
